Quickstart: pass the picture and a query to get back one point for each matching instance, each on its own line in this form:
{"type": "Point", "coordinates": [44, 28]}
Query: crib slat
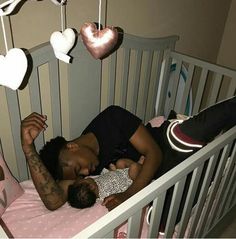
{"type": "Point", "coordinates": [200, 90]}
{"type": "Point", "coordinates": [55, 97]}
{"type": "Point", "coordinates": [203, 194]}
{"type": "Point", "coordinates": [156, 213]}
{"type": "Point", "coordinates": [232, 187]}
{"type": "Point", "coordinates": [162, 91]}
{"type": "Point", "coordinates": [206, 215]}
{"type": "Point", "coordinates": [124, 81]}
{"type": "Point", "coordinates": [136, 82]}
{"type": "Point", "coordinates": [134, 223]}
{"type": "Point", "coordinates": [187, 88]}
{"type": "Point", "coordinates": [227, 186]}
{"type": "Point", "coordinates": [233, 202]}
{"type": "Point", "coordinates": [231, 197]}
{"type": "Point", "coordinates": [35, 98]}
{"type": "Point", "coordinates": [14, 114]}
{"type": "Point", "coordinates": [222, 194]}
{"type": "Point", "coordinates": [175, 85]}
{"type": "Point", "coordinates": [232, 88]}
{"type": "Point", "coordinates": [36, 103]}
{"type": "Point", "coordinates": [174, 207]}
{"type": "Point", "coordinates": [215, 89]}
{"type": "Point", "coordinates": [156, 67]}
{"type": "Point", "coordinates": [233, 192]}
{"type": "Point", "coordinates": [225, 210]}
{"type": "Point", "coordinates": [112, 79]}
{"type": "Point", "coordinates": [142, 108]}
{"type": "Point", "coordinates": [189, 201]}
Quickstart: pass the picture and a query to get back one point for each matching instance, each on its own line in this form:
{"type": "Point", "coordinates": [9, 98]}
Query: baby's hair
{"type": "Point", "coordinates": [81, 196]}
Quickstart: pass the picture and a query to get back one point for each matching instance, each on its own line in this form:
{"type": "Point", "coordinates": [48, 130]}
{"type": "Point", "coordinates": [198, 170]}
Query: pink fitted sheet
{"type": "Point", "coordinates": [27, 217]}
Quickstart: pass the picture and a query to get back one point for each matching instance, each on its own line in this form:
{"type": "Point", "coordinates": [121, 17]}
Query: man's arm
{"type": "Point", "coordinates": [49, 190]}
{"type": "Point", "coordinates": [145, 144]}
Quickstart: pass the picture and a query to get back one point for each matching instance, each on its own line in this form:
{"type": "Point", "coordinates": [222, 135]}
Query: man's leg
{"type": "Point", "coordinates": [203, 127]}
{"type": "Point", "coordinates": [206, 125]}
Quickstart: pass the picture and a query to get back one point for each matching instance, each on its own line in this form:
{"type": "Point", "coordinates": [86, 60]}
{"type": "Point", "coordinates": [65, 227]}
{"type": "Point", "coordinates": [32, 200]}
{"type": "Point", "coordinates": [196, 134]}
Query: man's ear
{"type": "Point", "coordinates": [2, 176]}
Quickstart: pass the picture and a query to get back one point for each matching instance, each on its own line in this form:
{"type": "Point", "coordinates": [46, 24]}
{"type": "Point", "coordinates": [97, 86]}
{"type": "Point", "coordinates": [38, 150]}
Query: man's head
{"type": "Point", "coordinates": [49, 154]}
{"type": "Point", "coordinates": [68, 159]}
{"type": "Point", "coordinates": [82, 194]}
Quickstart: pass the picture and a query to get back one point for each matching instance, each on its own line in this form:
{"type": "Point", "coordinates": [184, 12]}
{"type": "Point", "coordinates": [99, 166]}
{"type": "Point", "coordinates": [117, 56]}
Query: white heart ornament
{"type": "Point", "coordinates": [98, 42]}
{"type": "Point", "coordinates": [62, 42]}
{"type": "Point", "coordinates": [13, 68]}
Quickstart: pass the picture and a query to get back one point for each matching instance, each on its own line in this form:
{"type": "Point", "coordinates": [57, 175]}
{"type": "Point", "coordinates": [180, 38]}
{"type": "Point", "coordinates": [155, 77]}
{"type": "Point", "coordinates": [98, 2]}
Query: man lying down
{"type": "Point", "coordinates": [114, 134]}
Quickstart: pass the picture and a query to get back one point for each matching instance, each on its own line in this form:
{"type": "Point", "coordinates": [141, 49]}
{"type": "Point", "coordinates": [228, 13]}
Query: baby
{"type": "Point", "coordinates": [85, 192]}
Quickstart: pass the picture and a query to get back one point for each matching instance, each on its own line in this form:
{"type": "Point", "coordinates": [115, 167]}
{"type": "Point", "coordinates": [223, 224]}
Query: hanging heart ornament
{"type": "Point", "coordinates": [98, 42]}
{"type": "Point", "coordinates": [13, 67]}
{"type": "Point", "coordinates": [62, 42]}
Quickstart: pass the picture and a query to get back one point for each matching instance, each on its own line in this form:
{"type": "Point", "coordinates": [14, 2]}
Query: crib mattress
{"type": "Point", "coordinates": [27, 217]}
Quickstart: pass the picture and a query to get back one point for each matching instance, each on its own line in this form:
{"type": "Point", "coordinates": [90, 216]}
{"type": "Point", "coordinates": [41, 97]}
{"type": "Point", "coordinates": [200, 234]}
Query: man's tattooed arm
{"type": "Point", "coordinates": [52, 195]}
{"type": "Point", "coordinates": [50, 191]}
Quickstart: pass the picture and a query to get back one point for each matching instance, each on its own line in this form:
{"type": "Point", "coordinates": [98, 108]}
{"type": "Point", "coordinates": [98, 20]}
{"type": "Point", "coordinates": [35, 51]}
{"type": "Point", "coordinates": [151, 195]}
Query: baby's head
{"type": "Point", "coordinates": [83, 193]}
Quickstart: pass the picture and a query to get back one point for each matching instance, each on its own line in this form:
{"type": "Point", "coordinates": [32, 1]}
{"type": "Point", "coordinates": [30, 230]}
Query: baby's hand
{"type": "Point", "coordinates": [112, 167]}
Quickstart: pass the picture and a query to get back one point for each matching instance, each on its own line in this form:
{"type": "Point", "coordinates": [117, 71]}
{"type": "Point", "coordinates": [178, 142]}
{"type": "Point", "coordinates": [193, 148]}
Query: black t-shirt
{"type": "Point", "coordinates": [113, 128]}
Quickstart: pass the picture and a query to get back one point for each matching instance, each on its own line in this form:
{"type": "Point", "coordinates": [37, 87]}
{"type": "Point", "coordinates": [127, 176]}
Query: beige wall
{"type": "Point", "coordinates": [199, 23]}
{"type": "Point", "coordinates": [227, 53]}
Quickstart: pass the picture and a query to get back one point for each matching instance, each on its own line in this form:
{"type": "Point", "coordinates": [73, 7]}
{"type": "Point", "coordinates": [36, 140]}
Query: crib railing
{"type": "Point", "coordinates": [213, 173]}
{"type": "Point", "coordinates": [206, 82]}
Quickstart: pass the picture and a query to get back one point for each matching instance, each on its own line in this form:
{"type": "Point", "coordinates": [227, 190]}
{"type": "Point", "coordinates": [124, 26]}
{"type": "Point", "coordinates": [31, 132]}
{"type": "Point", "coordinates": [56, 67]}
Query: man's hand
{"type": "Point", "coordinates": [31, 127]}
{"type": "Point", "coordinates": [114, 200]}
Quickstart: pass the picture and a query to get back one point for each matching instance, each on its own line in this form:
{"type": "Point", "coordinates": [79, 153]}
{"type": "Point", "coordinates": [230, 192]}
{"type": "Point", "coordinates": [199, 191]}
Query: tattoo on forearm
{"type": "Point", "coordinates": [47, 187]}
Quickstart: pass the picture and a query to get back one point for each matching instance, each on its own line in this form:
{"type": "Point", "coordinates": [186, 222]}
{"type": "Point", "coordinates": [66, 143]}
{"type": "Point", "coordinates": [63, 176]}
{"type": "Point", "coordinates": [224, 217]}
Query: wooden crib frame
{"type": "Point", "coordinates": [135, 76]}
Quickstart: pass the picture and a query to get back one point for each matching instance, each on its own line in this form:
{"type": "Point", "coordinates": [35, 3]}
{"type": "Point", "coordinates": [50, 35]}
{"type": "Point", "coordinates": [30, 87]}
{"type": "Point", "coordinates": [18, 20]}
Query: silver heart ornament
{"type": "Point", "coordinates": [98, 42]}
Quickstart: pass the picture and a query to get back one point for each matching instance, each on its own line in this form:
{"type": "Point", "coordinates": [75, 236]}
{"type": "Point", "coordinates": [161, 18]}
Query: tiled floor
{"type": "Point", "coordinates": [227, 228]}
